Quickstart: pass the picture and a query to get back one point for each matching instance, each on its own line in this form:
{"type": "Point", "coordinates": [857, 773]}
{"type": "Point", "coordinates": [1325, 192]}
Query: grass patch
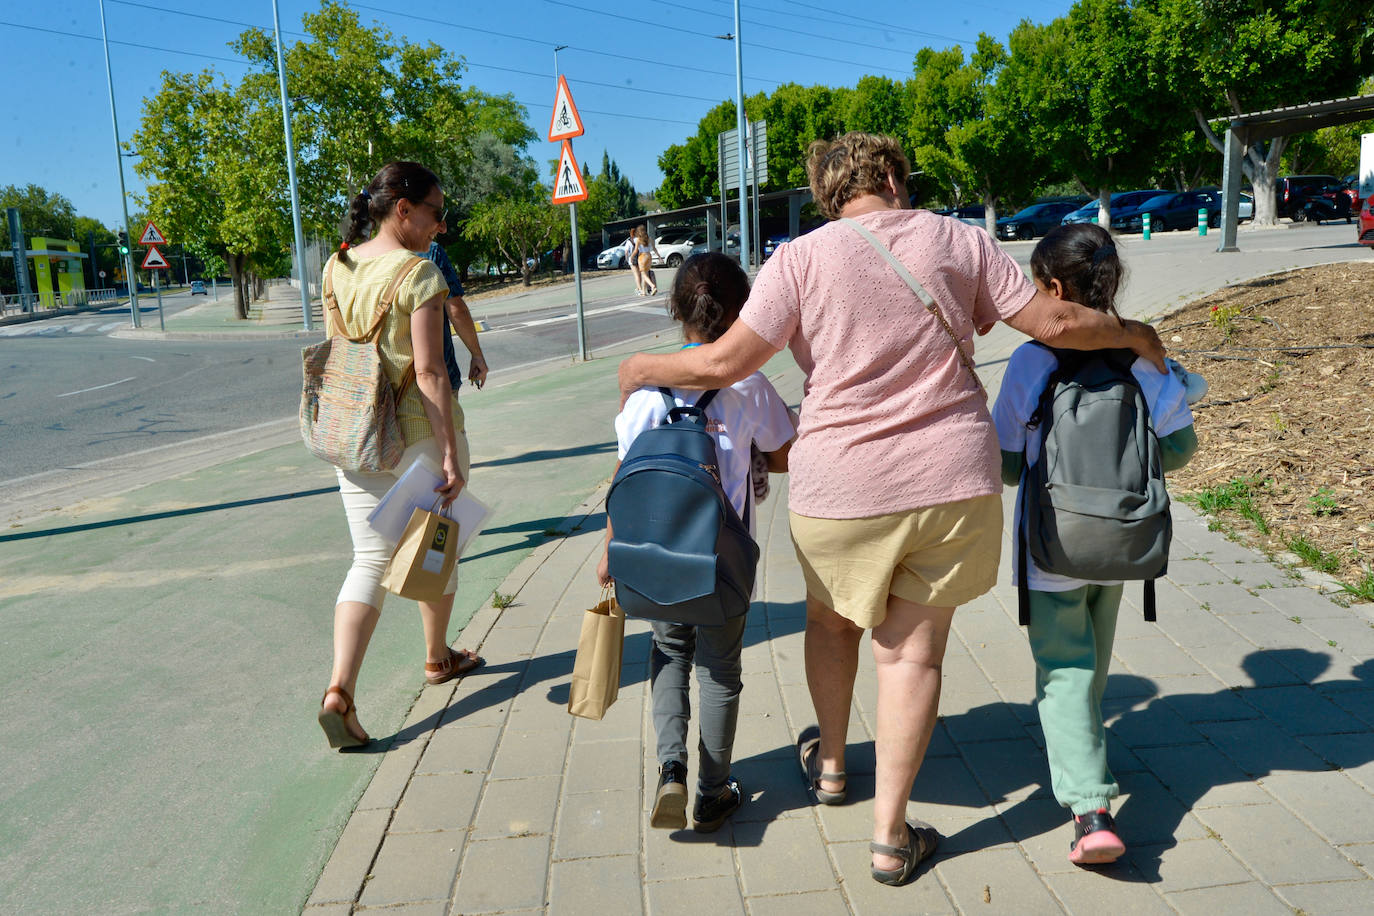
{"type": "Point", "coordinates": [1323, 502]}
{"type": "Point", "coordinates": [1236, 495]}
{"type": "Point", "coordinates": [1314, 556]}
{"type": "Point", "coordinates": [1364, 589]}
{"type": "Point", "coordinates": [500, 601]}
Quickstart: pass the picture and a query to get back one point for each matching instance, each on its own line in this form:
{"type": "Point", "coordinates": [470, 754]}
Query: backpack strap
{"type": "Point", "coordinates": [384, 306]}
{"type": "Point", "coordinates": [1022, 560]}
{"type": "Point", "coordinates": [674, 411]}
{"type": "Point", "coordinates": [926, 298]}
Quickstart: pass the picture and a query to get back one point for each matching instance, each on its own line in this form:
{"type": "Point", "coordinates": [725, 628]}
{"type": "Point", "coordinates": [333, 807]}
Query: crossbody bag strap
{"type": "Point", "coordinates": [926, 298]}
{"type": "Point", "coordinates": [388, 298]}
{"type": "Point", "coordinates": [333, 318]}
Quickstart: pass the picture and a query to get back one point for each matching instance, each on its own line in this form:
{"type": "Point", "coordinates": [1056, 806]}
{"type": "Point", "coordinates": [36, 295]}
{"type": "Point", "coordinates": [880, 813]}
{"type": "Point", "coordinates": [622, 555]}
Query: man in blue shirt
{"type": "Point", "coordinates": [458, 315]}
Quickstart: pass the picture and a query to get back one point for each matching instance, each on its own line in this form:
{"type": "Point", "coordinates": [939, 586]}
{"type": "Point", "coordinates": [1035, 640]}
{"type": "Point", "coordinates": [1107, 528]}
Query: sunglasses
{"type": "Point", "coordinates": [440, 213]}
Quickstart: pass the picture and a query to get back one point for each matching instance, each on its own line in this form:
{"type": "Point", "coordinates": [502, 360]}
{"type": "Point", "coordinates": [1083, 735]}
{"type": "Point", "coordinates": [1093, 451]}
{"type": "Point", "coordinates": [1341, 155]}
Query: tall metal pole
{"type": "Point", "coordinates": [129, 276]}
{"type": "Point", "coordinates": [743, 148]}
{"type": "Point", "coordinates": [576, 248]}
{"type": "Point", "coordinates": [291, 173]}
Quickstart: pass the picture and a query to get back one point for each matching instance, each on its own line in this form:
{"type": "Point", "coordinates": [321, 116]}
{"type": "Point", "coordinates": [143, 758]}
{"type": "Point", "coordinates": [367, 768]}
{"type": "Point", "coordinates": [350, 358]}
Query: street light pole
{"type": "Point", "coordinates": [129, 277]}
{"type": "Point", "coordinates": [291, 173]}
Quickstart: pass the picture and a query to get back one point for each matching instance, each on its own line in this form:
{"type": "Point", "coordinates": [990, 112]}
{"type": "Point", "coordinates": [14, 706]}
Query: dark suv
{"type": "Point", "coordinates": [1292, 191]}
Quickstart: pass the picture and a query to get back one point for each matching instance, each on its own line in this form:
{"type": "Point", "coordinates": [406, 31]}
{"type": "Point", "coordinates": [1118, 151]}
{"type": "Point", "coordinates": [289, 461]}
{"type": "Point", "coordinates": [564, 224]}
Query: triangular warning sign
{"type": "Point", "coordinates": [565, 123]}
{"type": "Point", "coordinates": [154, 260]}
{"type": "Point", "coordinates": [152, 235]}
{"type": "Point", "coordinates": [568, 187]}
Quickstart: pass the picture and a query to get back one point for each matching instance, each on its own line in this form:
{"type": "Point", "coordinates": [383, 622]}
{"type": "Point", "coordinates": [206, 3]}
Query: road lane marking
{"type": "Point", "coordinates": [592, 313]}
{"type": "Point", "coordinates": [77, 328]}
{"type": "Point", "coordinates": [98, 387]}
{"type": "Point", "coordinates": [111, 326]}
{"type": "Point", "coordinates": [147, 359]}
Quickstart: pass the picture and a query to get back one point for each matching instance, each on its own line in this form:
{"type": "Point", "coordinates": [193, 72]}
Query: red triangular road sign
{"type": "Point", "coordinates": [565, 123]}
{"type": "Point", "coordinates": [154, 260]}
{"type": "Point", "coordinates": [152, 235]}
{"type": "Point", "coordinates": [568, 187]}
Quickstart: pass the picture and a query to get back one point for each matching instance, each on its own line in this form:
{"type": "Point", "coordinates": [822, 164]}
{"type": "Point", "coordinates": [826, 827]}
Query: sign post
{"type": "Point", "coordinates": [568, 187]}
{"type": "Point", "coordinates": [154, 261]}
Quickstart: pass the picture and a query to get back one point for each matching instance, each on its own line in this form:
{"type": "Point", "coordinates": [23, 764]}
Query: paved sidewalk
{"type": "Point", "coordinates": [1240, 733]}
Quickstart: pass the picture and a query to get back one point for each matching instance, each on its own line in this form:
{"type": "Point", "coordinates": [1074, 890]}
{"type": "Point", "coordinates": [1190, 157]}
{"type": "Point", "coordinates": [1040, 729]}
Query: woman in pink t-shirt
{"type": "Point", "coordinates": [895, 475]}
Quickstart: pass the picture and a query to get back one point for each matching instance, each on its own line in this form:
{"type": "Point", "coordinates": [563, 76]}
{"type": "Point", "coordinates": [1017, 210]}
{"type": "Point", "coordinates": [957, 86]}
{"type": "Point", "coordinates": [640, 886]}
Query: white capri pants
{"type": "Point", "coordinates": [361, 491]}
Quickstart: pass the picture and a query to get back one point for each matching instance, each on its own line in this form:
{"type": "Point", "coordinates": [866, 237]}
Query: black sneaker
{"type": "Point", "coordinates": [1094, 839]}
{"type": "Point", "coordinates": [710, 813]}
{"type": "Point", "coordinates": [670, 805]}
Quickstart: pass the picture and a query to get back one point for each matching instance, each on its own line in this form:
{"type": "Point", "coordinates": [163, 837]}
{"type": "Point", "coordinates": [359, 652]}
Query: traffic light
{"type": "Point", "coordinates": [123, 242]}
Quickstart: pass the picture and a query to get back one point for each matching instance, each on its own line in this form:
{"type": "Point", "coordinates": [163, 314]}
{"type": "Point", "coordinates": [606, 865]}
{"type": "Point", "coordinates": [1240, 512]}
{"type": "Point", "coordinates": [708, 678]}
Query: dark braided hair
{"type": "Point", "coordinates": [396, 181]}
{"type": "Point", "coordinates": [1083, 258]}
{"type": "Point", "coordinates": [708, 293]}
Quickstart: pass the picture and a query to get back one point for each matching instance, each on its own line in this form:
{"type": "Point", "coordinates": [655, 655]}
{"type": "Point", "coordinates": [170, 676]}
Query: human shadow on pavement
{"type": "Point", "coordinates": [548, 454]}
{"type": "Point", "coordinates": [534, 532]}
{"type": "Point", "coordinates": [1286, 722]}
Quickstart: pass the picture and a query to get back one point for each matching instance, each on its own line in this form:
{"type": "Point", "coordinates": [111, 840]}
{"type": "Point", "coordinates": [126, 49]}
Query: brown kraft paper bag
{"type": "Point", "coordinates": [422, 563]}
{"type": "Point", "coordinates": [596, 670]}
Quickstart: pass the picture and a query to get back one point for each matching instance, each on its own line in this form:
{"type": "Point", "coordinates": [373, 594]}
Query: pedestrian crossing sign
{"type": "Point", "coordinates": [152, 235]}
{"type": "Point", "coordinates": [154, 260]}
{"type": "Point", "coordinates": [568, 186]}
{"type": "Point", "coordinates": [565, 123]}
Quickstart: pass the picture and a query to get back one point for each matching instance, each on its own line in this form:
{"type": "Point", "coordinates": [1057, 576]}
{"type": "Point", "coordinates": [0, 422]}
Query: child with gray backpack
{"type": "Point", "coordinates": [1088, 437]}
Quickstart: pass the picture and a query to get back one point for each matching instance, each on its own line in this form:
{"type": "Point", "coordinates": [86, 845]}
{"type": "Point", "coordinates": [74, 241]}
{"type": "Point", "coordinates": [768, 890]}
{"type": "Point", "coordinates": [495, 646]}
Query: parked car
{"type": "Point", "coordinates": [612, 258]}
{"type": "Point", "coordinates": [675, 248]}
{"type": "Point", "coordinates": [1292, 191]}
{"type": "Point", "coordinates": [731, 246]}
{"type": "Point", "coordinates": [1367, 222]}
{"type": "Point", "coordinates": [198, 288]}
{"type": "Point", "coordinates": [1037, 219]}
{"type": "Point", "coordinates": [1089, 211]}
{"type": "Point", "coordinates": [1169, 211]}
{"type": "Point", "coordinates": [973, 214]}
{"type": "Point", "coordinates": [771, 244]}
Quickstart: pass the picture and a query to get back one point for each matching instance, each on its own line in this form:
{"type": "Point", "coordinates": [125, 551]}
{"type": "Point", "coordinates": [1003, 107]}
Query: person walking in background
{"type": "Point", "coordinates": [631, 250]}
{"type": "Point", "coordinates": [1073, 622]}
{"type": "Point", "coordinates": [402, 206]}
{"type": "Point", "coordinates": [706, 298]}
{"type": "Point", "coordinates": [457, 314]}
{"type": "Point", "coordinates": [644, 255]}
{"type": "Point", "coordinates": [894, 480]}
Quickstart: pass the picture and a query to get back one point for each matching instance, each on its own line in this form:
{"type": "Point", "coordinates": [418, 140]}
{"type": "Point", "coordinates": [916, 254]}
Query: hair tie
{"type": "Point", "coordinates": [343, 246]}
{"type": "Point", "coordinates": [1103, 253]}
{"type": "Point", "coordinates": [365, 194]}
{"type": "Point", "coordinates": [702, 289]}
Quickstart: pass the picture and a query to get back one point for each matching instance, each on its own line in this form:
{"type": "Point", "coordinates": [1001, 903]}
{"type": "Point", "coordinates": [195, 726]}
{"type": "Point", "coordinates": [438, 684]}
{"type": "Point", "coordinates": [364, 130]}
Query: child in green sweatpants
{"type": "Point", "coordinates": [1073, 622]}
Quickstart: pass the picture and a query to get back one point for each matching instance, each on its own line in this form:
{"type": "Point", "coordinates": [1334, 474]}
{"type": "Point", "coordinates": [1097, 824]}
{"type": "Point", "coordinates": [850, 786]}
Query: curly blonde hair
{"type": "Point", "coordinates": [850, 166]}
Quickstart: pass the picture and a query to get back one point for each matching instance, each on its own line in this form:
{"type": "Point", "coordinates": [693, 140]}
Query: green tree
{"type": "Point", "coordinates": [963, 133]}
{"type": "Point", "coordinates": [43, 213]}
{"type": "Point", "coordinates": [1253, 55]}
{"type": "Point", "coordinates": [521, 230]}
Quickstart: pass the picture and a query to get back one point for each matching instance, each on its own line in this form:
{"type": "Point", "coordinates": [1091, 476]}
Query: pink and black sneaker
{"type": "Point", "coordinates": [1094, 839]}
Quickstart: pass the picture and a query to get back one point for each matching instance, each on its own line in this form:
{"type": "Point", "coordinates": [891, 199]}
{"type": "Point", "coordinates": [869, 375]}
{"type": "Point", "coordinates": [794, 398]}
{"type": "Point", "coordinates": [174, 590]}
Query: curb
{"type": "Point", "coordinates": [146, 334]}
{"type": "Point", "coordinates": [363, 839]}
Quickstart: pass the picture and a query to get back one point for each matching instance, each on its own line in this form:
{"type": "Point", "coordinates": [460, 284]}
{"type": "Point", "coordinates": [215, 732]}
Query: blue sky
{"type": "Point", "coordinates": [642, 74]}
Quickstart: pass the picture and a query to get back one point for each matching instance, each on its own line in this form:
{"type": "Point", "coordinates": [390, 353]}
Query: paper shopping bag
{"type": "Point", "coordinates": [422, 563]}
{"type": "Point", "coordinates": [596, 670]}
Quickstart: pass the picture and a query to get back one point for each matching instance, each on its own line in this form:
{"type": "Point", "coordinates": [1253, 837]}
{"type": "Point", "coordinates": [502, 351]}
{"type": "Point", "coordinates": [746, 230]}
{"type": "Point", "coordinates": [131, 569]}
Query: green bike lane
{"type": "Point", "coordinates": [168, 647]}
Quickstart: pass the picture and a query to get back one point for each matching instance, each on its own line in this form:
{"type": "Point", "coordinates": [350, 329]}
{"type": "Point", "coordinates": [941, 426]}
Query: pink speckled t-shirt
{"type": "Point", "coordinates": [891, 419]}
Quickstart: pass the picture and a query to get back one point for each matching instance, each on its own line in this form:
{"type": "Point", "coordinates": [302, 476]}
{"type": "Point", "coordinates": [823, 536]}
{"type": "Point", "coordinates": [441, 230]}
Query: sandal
{"type": "Point", "coordinates": [808, 755]}
{"type": "Point", "coordinates": [335, 724]}
{"type": "Point", "coordinates": [458, 663]}
{"type": "Point", "coordinates": [921, 840]}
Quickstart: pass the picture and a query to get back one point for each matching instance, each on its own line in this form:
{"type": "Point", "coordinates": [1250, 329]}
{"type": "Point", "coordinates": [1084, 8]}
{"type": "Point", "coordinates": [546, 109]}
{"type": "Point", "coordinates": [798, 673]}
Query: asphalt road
{"type": "Point", "coordinates": [71, 394]}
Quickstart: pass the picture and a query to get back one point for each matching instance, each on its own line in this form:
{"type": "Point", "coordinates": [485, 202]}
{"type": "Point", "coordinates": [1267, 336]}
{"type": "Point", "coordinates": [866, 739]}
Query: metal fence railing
{"type": "Point", "coordinates": [15, 304]}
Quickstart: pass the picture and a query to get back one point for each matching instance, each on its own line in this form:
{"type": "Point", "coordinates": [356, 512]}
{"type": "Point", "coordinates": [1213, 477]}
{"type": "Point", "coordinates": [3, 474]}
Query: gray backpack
{"type": "Point", "coordinates": [1094, 504]}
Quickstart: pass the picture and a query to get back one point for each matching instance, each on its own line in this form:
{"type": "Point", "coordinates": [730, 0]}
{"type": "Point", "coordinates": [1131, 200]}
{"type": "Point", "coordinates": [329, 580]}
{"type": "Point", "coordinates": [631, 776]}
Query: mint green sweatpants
{"type": "Point", "coordinates": [1071, 638]}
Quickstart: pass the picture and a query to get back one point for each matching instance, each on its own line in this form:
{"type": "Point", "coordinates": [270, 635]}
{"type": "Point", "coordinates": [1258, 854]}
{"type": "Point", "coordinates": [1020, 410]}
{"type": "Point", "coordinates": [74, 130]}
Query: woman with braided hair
{"type": "Point", "coordinates": [397, 213]}
{"type": "Point", "coordinates": [706, 298]}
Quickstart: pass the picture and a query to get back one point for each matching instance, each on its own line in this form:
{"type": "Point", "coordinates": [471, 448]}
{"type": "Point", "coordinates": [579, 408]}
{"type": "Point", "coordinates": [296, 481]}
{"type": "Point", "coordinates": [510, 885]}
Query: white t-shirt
{"type": "Point", "coordinates": [747, 412]}
{"type": "Point", "coordinates": [1028, 371]}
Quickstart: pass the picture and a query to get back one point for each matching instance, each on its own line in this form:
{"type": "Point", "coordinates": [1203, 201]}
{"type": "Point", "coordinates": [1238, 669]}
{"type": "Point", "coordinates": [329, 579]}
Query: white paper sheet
{"type": "Point", "coordinates": [415, 490]}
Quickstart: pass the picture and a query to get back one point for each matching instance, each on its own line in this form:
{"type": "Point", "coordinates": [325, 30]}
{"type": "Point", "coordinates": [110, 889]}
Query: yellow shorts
{"type": "Point", "coordinates": [939, 556]}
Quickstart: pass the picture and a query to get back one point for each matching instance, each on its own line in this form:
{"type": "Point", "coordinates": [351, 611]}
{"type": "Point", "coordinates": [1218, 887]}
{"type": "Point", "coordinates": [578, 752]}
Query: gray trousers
{"type": "Point", "coordinates": [716, 652]}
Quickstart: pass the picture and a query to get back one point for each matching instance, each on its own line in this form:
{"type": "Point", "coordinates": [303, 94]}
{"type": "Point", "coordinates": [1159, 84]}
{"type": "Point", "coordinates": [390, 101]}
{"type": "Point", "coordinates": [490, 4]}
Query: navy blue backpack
{"type": "Point", "coordinates": [679, 552]}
